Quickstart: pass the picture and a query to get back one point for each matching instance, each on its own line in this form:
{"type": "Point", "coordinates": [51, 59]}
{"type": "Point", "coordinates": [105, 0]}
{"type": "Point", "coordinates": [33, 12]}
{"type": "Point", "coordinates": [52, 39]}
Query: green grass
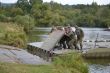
{"type": "Point", "coordinates": [69, 63]}
{"type": "Point", "coordinates": [13, 35]}
{"type": "Point", "coordinates": [21, 68]}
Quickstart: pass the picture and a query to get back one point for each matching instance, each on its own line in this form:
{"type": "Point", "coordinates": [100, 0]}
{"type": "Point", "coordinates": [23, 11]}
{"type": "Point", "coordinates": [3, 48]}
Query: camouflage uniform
{"type": "Point", "coordinates": [80, 35]}
{"type": "Point", "coordinates": [73, 41]}
{"type": "Point", "coordinates": [53, 29]}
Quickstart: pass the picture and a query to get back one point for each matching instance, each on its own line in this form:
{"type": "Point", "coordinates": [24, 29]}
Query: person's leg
{"type": "Point", "coordinates": [81, 45]}
{"type": "Point", "coordinates": [76, 45]}
{"type": "Point", "coordinates": [62, 42]}
{"type": "Point", "coordinates": [71, 46]}
{"type": "Point", "coordinates": [67, 42]}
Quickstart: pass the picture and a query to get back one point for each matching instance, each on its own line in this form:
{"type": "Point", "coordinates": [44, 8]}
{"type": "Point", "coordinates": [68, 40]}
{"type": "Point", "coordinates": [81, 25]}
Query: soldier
{"type": "Point", "coordinates": [53, 29]}
{"type": "Point", "coordinates": [67, 38]}
{"type": "Point", "coordinates": [62, 41]}
{"type": "Point", "coordinates": [73, 39]}
{"type": "Point", "coordinates": [80, 35]}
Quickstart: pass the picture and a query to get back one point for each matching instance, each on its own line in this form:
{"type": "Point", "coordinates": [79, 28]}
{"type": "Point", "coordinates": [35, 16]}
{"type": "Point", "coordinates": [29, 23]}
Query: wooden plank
{"type": "Point", "coordinates": [52, 40]}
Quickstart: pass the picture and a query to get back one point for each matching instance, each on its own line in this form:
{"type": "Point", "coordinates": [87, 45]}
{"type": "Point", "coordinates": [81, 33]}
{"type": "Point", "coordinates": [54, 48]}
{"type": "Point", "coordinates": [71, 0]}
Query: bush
{"type": "Point", "coordinates": [4, 18]}
{"type": "Point", "coordinates": [70, 63]}
{"type": "Point", "coordinates": [13, 35]}
{"type": "Point", "coordinates": [26, 22]}
{"type": "Point", "coordinates": [15, 39]}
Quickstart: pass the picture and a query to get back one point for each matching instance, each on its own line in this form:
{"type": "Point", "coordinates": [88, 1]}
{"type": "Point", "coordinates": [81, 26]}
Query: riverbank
{"type": "Point", "coordinates": [14, 60]}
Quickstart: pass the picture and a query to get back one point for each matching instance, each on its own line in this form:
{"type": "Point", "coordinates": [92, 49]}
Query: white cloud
{"type": "Point", "coordinates": [101, 2]}
{"type": "Point", "coordinates": [8, 1]}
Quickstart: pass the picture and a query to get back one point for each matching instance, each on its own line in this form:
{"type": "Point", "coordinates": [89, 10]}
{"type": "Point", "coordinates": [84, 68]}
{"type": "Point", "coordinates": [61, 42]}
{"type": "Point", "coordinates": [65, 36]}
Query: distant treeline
{"type": "Point", "coordinates": [36, 13]}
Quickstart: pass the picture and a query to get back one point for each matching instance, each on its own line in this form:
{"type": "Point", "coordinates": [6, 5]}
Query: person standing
{"type": "Point", "coordinates": [73, 39]}
{"type": "Point", "coordinates": [80, 35]}
{"type": "Point", "coordinates": [53, 29]}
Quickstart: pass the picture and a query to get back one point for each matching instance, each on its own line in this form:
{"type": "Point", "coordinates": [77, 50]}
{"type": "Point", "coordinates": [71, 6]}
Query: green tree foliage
{"type": "Point", "coordinates": [24, 5]}
{"type": "Point", "coordinates": [45, 16]}
{"type": "Point", "coordinates": [32, 2]}
{"type": "Point", "coordinates": [48, 14]}
{"type": "Point", "coordinates": [16, 11]}
{"type": "Point", "coordinates": [4, 18]}
{"type": "Point", "coordinates": [27, 22]}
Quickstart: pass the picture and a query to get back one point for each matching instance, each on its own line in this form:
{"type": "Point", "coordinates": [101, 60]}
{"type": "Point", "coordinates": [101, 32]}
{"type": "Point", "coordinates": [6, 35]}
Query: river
{"type": "Point", "coordinates": [90, 33]}
{"type": "Point", "coordinates": [39, 34]}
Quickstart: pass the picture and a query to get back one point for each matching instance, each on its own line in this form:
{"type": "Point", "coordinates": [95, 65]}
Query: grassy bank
{"type": "Point", "coordinates": [71, 63]}
{"type": "Point", "coordinates": [20, 68]}
{"type": "Point", "coordinates": [13, 35]}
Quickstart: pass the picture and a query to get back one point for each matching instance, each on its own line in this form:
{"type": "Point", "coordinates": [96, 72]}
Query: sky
{"type": "Point", "coordinates": [70, 2]}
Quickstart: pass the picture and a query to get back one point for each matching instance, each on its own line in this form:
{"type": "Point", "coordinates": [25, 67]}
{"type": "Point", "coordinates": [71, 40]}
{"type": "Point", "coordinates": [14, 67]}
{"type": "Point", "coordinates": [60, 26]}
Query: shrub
{"type": "Point", "coordinates": [70, 63]}
{"type": "Point", "coordinates": [4, 18]}
{"type": "Point", "coordinates": [13, 35]}
{"type": "Point", "coordinates": [26, 22]}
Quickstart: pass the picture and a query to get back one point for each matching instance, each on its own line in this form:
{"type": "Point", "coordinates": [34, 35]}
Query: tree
{"type": "Point", "coordinates": [16, 11]}
{"type": "Point", "coordinates": [24, 5]}
{"type": "Point", "coordinates": [33, 2]}
{"type": "Point", "coordinates": [27, 22]}
{"type": "Point", "coordinates": [0, 4]}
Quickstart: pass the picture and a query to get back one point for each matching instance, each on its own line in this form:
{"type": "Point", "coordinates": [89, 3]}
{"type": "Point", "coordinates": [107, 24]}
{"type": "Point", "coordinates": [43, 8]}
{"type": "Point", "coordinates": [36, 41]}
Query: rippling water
{"type": "Point", "coordinates": [97, 68]}
{"type": "Point", "coordinates": [92, 33]}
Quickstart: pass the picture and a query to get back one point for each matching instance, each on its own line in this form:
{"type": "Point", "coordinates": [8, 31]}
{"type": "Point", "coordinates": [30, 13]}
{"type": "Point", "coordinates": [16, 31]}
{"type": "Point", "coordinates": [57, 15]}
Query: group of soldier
{"type": "Point", "coordinates": [72, 38]}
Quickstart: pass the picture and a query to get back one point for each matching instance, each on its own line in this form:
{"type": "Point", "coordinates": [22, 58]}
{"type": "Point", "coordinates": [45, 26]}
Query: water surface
{"type": "Point", "coordinates": [90, 33]}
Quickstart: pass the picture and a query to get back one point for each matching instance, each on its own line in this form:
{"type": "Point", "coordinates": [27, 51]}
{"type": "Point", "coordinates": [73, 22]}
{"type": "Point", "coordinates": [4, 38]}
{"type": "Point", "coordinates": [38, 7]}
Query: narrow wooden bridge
{"type": "Point", "coordinates": [46, 50]}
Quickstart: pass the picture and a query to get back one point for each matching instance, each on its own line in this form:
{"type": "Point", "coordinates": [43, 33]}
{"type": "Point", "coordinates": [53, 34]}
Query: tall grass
{"type": "Point", "coordinates": [12, 34]}
{"type": "Point", "coordinates": [70, 63]}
